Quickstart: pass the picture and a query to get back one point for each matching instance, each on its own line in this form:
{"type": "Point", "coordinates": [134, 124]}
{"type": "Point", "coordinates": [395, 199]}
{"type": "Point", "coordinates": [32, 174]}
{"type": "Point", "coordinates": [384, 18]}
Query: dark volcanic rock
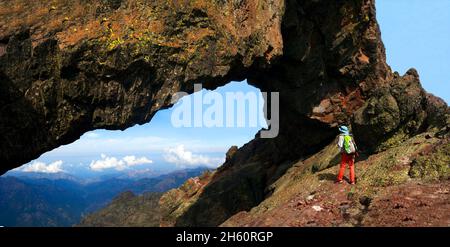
{"type": "Point", "coordinates": [230, 153]}
{"type": "Point", "coordinates": [71, 67]}
{"type": "Point", "coordinates": [333, 71]}
{"type": "Point", "coordinates": [397, 111]}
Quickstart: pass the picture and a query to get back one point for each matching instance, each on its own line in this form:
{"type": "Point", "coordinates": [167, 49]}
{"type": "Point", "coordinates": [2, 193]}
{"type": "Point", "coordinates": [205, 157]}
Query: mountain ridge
{"type": "Point", "coordinates": [37, 201]}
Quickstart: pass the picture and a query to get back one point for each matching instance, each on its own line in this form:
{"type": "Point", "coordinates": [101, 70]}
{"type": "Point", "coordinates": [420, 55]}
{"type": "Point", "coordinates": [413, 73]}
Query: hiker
{"type": "Point", "coordinates": [348, 150]}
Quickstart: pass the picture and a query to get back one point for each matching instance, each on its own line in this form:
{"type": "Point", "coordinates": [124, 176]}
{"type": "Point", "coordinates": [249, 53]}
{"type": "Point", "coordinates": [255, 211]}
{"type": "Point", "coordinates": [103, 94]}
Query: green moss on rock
{"type": "Point", "coordinates": [434, 166]}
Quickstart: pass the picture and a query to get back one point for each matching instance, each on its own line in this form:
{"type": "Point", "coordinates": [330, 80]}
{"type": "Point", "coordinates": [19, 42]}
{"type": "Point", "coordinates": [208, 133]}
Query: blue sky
{"type": "Point", "coordinates": [416, 33]}
{"type": "Point", "coordinates": [157, 145]}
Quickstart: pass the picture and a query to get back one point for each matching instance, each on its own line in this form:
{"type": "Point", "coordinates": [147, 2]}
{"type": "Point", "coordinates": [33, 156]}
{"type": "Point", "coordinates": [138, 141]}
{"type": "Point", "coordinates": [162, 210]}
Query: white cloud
{"type": "Point", "coordinates": [181, 157]}
{"type": "Point", "coordinates": [38, 166]}
{"type": "Point", "coordinates": [118, 164]}
{"type": "Point", "coordinates": [132, 160]}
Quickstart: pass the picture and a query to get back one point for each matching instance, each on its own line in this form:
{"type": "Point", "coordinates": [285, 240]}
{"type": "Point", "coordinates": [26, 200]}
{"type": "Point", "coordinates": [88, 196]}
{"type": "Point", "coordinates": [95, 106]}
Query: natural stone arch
{"type": "Point", "coordinates": [59, 78]}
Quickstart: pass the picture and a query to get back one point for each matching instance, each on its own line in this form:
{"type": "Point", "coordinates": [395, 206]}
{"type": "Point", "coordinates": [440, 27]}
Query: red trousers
{"type": "Point", "coordinates": [347, 158]}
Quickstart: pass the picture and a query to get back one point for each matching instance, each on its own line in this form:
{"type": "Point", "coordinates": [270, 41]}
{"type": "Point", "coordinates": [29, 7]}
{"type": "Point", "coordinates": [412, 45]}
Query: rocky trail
{"type": "Point", "coordinates": [411, 204]}
{"type": "Point", "coordinates": [385, 194]}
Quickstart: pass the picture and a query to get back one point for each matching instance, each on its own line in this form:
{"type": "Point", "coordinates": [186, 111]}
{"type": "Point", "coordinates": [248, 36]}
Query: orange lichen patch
{"type": "Point", "coordinates": [43, 17]}
{"type": "Point", "coordinates": [76, 33]}
{"type": "Point", "coordinates": [191, 49]}
{"type": "Point", "coordinates": [17, 15]}
{"type": "Point", "coordinates": [173, 44]}
{"type": "Point", "coordinates": [124, 24]}
{"type": "Point", "coordinates": [198, 35]}
{"type": "Point", "coordinates": [127, 21]}
{"type": "Point", "coordinates": [200, 4]}
{"type": "Point", "coordinates": [245, 16]}
{"type": "Point", "coordinates": [6, 9]}
{"type": "Point", "coordinates": [74, 20]}
{"type": "Point", "coordinates": [137, 21]}
{"type": "Point", "coordinates": [363, 58]}
{"type": "Point", "coordinates": [156, 26]}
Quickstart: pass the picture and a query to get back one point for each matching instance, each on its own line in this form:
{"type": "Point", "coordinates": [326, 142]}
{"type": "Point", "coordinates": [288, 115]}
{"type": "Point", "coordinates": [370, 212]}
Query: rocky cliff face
{"type": "Point", "coordinates": [332, 71]}
{"type": "Point", "coordinates": [67, 67]}
{"type": "Point", "coordinates": [73, 66]}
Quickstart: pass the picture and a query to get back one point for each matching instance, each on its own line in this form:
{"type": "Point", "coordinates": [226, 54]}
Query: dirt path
{"type": "Point", "coordinates": [411, 204]}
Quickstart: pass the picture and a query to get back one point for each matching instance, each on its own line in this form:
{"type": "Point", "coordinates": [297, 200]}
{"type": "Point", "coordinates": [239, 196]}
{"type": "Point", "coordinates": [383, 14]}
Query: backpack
{"type": "Point", "coordinates": [349, 146]}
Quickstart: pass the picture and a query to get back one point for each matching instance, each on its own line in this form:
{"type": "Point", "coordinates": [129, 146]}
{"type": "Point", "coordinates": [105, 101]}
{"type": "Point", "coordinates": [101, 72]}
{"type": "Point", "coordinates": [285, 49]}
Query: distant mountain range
{"type": "Point", "coordinates": [59, 199]}
{"type": "Point", "coordinates": [128, 175]}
